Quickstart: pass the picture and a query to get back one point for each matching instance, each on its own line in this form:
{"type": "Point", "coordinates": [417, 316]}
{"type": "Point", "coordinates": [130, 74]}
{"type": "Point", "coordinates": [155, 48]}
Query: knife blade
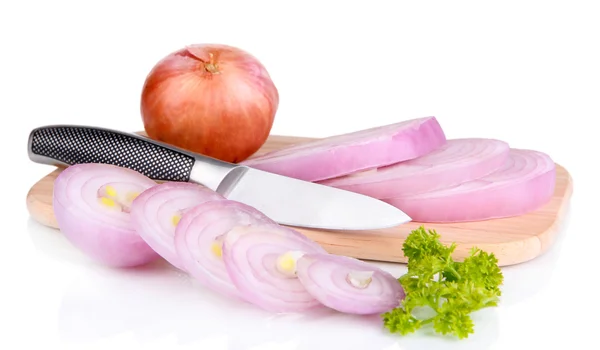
{"type": "Point", "coordinates": [285, 200]}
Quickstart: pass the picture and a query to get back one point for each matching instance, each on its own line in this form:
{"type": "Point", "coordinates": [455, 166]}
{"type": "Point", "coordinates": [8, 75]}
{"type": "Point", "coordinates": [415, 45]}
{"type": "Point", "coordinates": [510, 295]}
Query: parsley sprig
{"type": "Point", "coordinates": [445, 290]}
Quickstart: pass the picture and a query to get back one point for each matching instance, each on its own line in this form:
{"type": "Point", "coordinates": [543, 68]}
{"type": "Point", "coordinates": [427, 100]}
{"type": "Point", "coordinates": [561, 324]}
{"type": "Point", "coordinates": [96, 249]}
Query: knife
{"type": "Point", "coordinates": [285, 200]}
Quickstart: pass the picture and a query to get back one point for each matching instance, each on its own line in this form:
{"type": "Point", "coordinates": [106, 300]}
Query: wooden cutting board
{"type": "Point", "coordinates": [513, 240]}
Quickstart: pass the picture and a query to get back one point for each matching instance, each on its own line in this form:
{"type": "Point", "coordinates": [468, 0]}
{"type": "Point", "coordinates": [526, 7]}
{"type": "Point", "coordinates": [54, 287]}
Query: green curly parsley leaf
{"type": "Point", "coordinates": [450, 290]}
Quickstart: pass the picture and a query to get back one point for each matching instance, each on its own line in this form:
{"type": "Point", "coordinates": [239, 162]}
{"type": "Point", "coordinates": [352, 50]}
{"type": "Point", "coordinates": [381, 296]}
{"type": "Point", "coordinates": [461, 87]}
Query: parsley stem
{"type": "Point", "coordinates": [454, 272]}
{"type": "Point", "coordinates": [426, 321]}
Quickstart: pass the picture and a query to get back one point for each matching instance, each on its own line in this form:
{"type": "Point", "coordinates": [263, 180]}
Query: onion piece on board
{"type": "Point", "coordinates": [524, 183]}
{"type": "Point", "coordinates": [157, 211]}
{"type": "Point", "coordinates": [199, 240]}
{"type": "Point", "coordinates": [347, 153]}
{"type": "Point", "coordinates": [261, 261]}
{"type": "Point", "coordinates": [91, 204]}
{"type": "Point", "coordinates": [349, 285]}
{"type": "Point", "coordinates": [458, 161]}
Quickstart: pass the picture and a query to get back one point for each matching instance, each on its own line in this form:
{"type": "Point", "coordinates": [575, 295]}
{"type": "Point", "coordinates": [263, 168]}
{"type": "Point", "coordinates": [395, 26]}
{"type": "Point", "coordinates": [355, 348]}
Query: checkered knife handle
{"type": "Point", "coordinates": [65, 145]}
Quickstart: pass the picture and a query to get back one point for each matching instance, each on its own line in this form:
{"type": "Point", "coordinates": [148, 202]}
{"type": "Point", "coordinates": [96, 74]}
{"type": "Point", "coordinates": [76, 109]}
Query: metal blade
{"type": "Point", "coordinates": [294, 202]}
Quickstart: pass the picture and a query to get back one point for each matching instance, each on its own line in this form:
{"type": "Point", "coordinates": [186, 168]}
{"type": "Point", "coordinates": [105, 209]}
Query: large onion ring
{"type": "Point", "coordinates": [458, 161]}
{"type": "Point", "coordinates": [91, 204]}
{"type": "Point", "coordinates": [348, 153]}
{"type": "Point", "coordinates": [524, 183]}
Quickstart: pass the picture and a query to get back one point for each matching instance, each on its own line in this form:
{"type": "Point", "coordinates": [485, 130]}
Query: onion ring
{"type": "Point", "coordinates": [348, 153]}
{"type": "Point", "coordinates": [349, 285]}
{"type": "Point", "coordinates": [524, 183]}
{"type": "Point", "coordinates": [458, 161]}
{"type": "Point", "coordinates": [91, 204]}
{"type": "Point", "coordinates": [261, 259]}
{"type": "Point", "coordinates": [157, 211]}
{"type": "Point", "coordinates": [199, 237]}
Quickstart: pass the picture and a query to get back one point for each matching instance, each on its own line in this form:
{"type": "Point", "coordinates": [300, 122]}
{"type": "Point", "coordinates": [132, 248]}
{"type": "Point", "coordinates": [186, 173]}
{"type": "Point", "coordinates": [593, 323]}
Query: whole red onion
{"type": "Point", "coordinates": [212, 99]}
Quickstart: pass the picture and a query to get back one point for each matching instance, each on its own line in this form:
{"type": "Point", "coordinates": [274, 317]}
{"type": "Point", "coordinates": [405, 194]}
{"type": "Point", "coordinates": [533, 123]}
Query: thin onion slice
{"type": "Point", "coordinates": [91, 203]}
{"type": "Point", "coordinates": [347, 153]}
{"type": "Point", "coordinates": [458, 161]}
{"type": "Point", "coordinates": [349, 285]}
{"type": "Point", "coordinates": [261, 261]}
{"type": "Point", "coordinates": [156, 213]}
{"type": "Point", "coordinates": [524, 183]}
{"type": "Point", "coordinates": [199, 240]}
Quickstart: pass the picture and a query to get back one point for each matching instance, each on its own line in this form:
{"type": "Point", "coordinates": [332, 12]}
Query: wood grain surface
{"type": "Point", "coordinates": [513, 240]}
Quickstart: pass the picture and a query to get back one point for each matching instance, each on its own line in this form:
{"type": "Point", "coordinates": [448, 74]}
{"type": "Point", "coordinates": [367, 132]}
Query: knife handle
{"type": "Point", "coordinates": [71, 144]}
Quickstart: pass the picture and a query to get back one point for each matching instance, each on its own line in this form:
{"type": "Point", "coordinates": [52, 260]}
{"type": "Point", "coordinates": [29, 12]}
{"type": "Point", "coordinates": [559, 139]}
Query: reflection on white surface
{"type": "Point", "coordinates": [154, 302]}
{"type": "Point", "coordinates": [51, 242]}
{"type": "Point", "coordinates": [157, 301]}
{"type": "Point", "coordinates": [525, 280]}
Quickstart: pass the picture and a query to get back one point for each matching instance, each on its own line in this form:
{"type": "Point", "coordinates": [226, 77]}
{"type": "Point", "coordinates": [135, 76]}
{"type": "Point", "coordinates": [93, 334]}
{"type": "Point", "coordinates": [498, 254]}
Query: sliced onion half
{"type": "Point", "coordinates": [347, 153]}
{"type": "Point", "coordinates": [156, 213]}
{"type": "Point", "coordinates": [458, 161]}
{"type": "Point", "coordinates": [524, 183]}
{"type": "Point", "coordinates": [349, 285]}
{"type": "Point", "coordinates": [91, 204]}
{"type": "Point", "coordinates": [199, 240]}
{"type": "Point", "coordinates": [261, 261]}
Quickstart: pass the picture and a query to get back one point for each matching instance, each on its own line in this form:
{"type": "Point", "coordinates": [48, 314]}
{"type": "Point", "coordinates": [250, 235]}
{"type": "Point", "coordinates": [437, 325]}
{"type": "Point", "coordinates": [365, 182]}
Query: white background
{"type": "Point", "coordinates": [522, 71]}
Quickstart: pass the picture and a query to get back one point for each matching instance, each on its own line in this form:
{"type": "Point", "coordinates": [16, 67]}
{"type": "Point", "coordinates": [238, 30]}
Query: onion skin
{"type": "Point", "coordinates": [525, 183]}
{"type": "Point", "coordinates": [226, 115]}
{"type": "Point", "coordinates": [107, 237]}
